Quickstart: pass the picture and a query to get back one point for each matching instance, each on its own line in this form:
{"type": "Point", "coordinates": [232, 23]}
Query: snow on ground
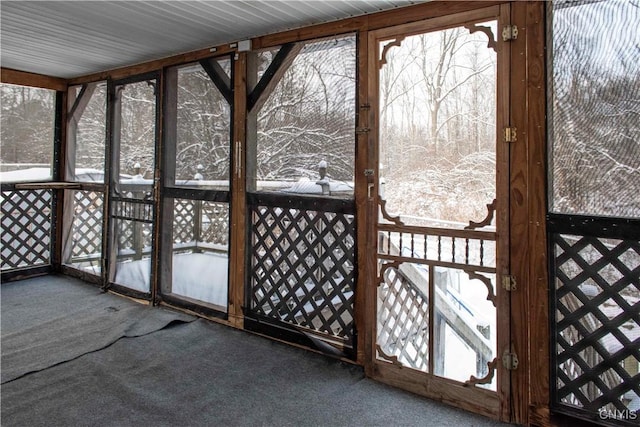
{"type": "Point", "coordinates": [30, 174]}
{"type": "Point", "coordinates": [200, 276]}
{"type": "Point", "coordinates": [38, 174]}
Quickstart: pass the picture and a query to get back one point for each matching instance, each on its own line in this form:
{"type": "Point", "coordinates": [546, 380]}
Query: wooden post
{"type": "Point", "coordinates": [68, 173]}
{"type": "Point", "coordinates": [197, 223]}
{"type": "Point", "coordinates": [167, 178]}
{"type": "Point", "coordinates": [112, 178]}
{"type": "Point", "coordinates": [537, 259]}
{"type": "Point", "coordinates": [502, 213]}
{"type": "Point", "coordinates": [251, 135]}
{"type": "Point", "coordinates": [528, 249]}
{"type": "Point", "coordinates": [241, 160]}
{"type": "Point", "coordinates": [365, 253]}
{"type": "Point", "coordinates": [58, 202]}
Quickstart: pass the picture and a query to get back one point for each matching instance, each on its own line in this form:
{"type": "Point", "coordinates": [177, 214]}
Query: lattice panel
{"type": "Point", "coordinates": [403, 321]}
{"type": "Point", "coordinates": [26, 228]}
{"type": "Point", "coordinates": [597, 299]}
{"type": "Point", "coordinates": [184, 220]}
{"type": "Point", "coordinates": [87, 224]}
{"type": "Point", "coordinates": [200, 221]}
{"type": "Point", "coordinates": [215, 223]}
{"type": "Point", "coordinates": [134, 238]}
{"type": "Point", "coordinates": [302, 269]}
{"type": "Point", "coordinates": [124, 231]}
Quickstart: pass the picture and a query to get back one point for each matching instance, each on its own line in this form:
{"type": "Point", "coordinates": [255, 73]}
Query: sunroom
{"type": "Point", "coordinates": [442, 196]}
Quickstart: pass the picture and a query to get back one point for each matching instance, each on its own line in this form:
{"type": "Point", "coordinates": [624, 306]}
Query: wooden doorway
{"type": "Point", "coordinates": [439, 99]}
{"type": "Point", "coordinates": [133, 190]}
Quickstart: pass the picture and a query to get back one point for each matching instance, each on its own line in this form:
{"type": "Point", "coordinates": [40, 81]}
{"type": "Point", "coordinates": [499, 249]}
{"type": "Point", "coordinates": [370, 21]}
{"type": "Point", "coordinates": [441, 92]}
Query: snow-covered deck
{"type": "Point", "coordinates": [198, 276]}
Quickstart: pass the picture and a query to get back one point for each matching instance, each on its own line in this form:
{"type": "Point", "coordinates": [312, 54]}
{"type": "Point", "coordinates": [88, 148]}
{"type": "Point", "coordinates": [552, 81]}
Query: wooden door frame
{"type": "Point", "coordinates": [113, 156]}
{"type": "Point", "coordinates": [524, 398]}
{"type": "Point", "coordinates": [479, 400]}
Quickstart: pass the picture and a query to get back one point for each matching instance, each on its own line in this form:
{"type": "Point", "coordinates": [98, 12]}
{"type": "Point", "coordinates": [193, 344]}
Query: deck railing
{"type": "Point", "coordinates": [404, 310]}
{"type": "Point", "coordinates": [595, 276]}
{"type": "Point", "coordinates": [26, 217]}
{"type": "Point", "coordinates": [197, 226]}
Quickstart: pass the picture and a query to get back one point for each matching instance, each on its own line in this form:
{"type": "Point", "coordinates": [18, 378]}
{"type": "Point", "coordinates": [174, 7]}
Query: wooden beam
{"type": "Point", "coordinates": [59, 164]}
{"type": "Point", "coordinates": [374, 21]}
{"type": "Point", "coordinates": [167, 178]}
{"type": "Point", "coordinates": [425, 11]}
{"type": "Point", "coordinates": [280, 64]}
{"type": "Point", "coordinates": [503, 320]}
{"type": "Point", "coordinates": [53, 185]}
{"type": "Point", "coordinates": [219, 78]}
{"type": "Point", "coordinates": [124, 72]}
{"type": "Point", "coordinates": [81, 101]}
{"type": "Point", "coordinates": [161, 228]}
{"type": "Point", "coordinates": [22, 78]}
{"type": "Point", "coordinates": [313, 32]}
{"type": "Point", "coordinates": [251, 126]}
{"type": "Point", "coordinates": [527, 212]}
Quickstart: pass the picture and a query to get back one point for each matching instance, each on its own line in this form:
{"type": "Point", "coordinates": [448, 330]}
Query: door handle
{"type": "Point", "coordinates": [238, 159]}
{"type": "Point", "coordinates": [370, 184]}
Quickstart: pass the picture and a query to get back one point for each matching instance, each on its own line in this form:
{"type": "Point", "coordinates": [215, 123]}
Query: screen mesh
{"type": "Point", "coordinates": [308, 121]}
{"type": "Point", "coordinates": [594, 81]}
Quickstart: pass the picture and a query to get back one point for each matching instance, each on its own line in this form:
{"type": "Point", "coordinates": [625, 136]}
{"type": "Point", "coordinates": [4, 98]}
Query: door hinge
{"type": "Point", "coordinates": [509, 283]}
{"type": "Point", "coordinates": [509, 32]}
{"type": "Point", "coordinates": [510, 360]}
{"type": "Point", "coordinates": [510, 134]}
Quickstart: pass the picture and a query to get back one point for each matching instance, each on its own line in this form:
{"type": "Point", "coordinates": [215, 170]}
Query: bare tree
{"type": "Point", "coordinates": [27, 124]}
{"type": "Point", "coordinates": [438, 117]}
{"type": "Point", "coordinates": [310, 116]}
{"type": "Point", "coordinates": [595, 111]}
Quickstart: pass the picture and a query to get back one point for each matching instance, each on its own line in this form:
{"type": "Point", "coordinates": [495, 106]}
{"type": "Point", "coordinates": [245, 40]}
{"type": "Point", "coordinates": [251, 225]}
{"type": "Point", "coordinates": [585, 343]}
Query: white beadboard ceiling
{"type": "Point", "coordinates": [74, 38]}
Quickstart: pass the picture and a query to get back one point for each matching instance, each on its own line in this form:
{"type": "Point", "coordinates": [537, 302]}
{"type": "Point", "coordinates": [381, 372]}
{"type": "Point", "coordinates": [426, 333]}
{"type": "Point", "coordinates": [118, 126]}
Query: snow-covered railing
{"type": "Point", "coordinates": [198, 226]}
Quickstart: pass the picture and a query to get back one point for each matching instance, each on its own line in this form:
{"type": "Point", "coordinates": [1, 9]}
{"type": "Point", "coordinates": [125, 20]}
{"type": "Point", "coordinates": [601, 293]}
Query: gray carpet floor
{"type": "Point", "coordinates": [155, 367]}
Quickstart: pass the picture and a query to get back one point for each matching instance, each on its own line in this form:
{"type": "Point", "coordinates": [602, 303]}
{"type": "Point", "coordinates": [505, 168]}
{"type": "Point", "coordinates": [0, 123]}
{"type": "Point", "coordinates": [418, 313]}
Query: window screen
{"type": "Point", "coordinates": [86, 130]}
{"type": "Point", "coordinates": [306, 128]}
{"type": "Point", "coordinates": [594, 81]}
{"type": "Point", "coordinates": [26, 133]}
